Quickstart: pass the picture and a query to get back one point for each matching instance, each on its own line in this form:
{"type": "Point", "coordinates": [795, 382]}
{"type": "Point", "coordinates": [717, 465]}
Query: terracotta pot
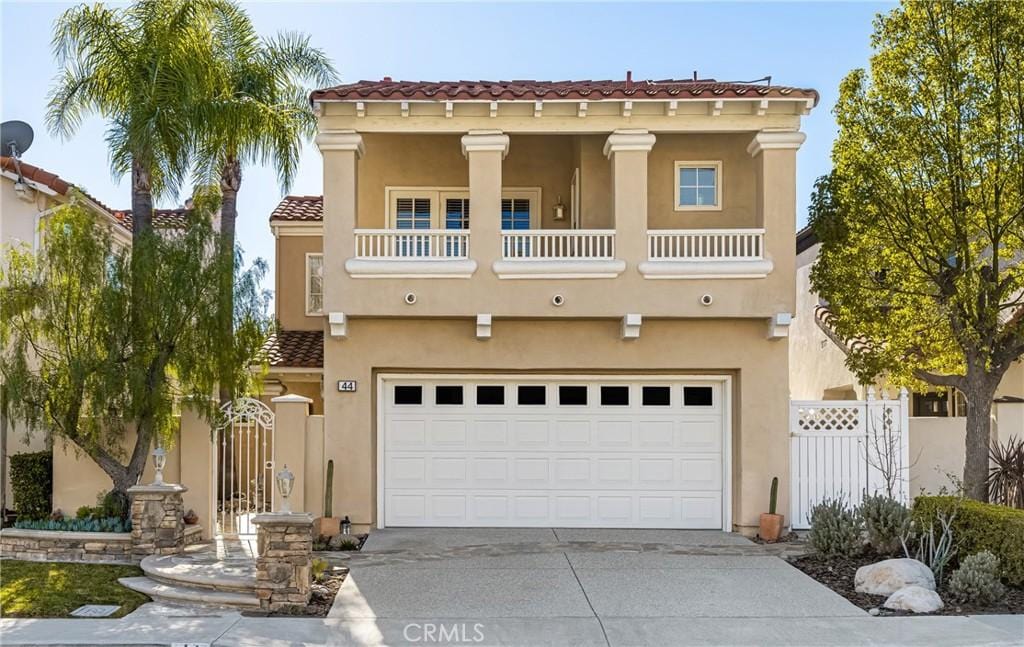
{"type": "Point", "coordinates": [326, 526]}
{"type": "Point", "coordinates": [771, 526]}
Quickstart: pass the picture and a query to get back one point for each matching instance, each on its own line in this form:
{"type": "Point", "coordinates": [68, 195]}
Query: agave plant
{"type": "Point", "coordinates": [1006, 475]}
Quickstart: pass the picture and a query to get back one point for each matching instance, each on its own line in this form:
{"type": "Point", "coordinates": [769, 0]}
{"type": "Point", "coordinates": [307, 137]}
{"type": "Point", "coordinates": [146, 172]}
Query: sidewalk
{"type": "Point", "coordinates": [156, 626]}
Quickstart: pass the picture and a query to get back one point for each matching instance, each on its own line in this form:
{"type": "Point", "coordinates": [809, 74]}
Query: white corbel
{"type": "Point", "coordinates": [778, 325]}
{"type": "Point", "coordinates": [762, 108]}
{"type": "Point", "coordinates": [405, 108]}
{"type": "Point", "coordinates": [449, 109]}
{"type": "Point", "coordinates": [494, 109]}
{"type": "Point", "coordinates": [716, 108]}
{"type": "Point", "coordinates": [581, 110]}
{"type": "Point", "coordinates": [360, 109]}
{"type": "Point", "coordinates": [538, 108]}
{"type": "Point", "coordinates": [483, 326]}
{"type": "Point", "coordinates": [339, 325]}
{"type": "Point", "coordinates": [631, 326]}
{"type": "Point", "coordinates": [627, 108]}
{"type": "Point", "coordinates": [671, 107]}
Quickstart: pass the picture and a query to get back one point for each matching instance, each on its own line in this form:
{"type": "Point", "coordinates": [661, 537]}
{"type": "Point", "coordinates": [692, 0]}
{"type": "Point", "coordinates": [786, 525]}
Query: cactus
{"type": "Point", "coordinates": [773, 499]}
{"type": "Point", "coordinates": [329, 491]}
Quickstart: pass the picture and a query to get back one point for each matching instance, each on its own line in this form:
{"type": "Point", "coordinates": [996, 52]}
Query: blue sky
{"type": "Point", "coordinates": [802, 44]}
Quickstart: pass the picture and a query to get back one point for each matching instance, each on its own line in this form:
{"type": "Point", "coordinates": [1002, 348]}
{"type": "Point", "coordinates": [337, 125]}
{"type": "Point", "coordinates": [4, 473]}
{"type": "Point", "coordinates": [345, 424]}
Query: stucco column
{"type": "Point", "coordinates": [774, 155]}
{"type": "Point", "coordinates": [341, 150]}
{"type": "Point", "coordinates": [195, 446]}
{"type": "Point", "coordinates": [627, 150]}
{"type": "Point", "coordinates": [290, 415]}
{"type": "Point", "coordinates": [485, 150]}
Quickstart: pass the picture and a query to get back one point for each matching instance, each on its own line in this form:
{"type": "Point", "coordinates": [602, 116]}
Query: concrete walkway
{"type": "Point", "coordinates": [549, 587]}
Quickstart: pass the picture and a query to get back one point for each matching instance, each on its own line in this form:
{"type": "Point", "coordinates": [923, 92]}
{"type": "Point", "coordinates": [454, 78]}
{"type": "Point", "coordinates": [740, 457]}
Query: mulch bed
{"type": "Point", "coordinates": [837, 574]}
{"type": "Point", "coordinates": [319, 604]}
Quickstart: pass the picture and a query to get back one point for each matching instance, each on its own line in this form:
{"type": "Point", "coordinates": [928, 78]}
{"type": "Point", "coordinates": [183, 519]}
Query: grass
{"type": "Point", "coordinates": [54, 590]}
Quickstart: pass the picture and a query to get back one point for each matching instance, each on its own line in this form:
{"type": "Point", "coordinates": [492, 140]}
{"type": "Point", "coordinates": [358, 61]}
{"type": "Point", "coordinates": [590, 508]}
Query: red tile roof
{"type": "Point", "coordinates": [579, 90]}
{"type": "Point", "coordinates": [295, 349]}
{"type": "Point", "coordinates": [162, 218]}
{"type": "Point", "coordinates": [299, 208]}
{"type": "Point", "coordinates": [36, 174]}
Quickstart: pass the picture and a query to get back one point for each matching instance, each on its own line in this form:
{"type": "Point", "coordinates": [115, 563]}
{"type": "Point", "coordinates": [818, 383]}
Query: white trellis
{"type": "Point", "coordinates": [846, 448]}
{"type": "Point", "coordinates": [244, 466]}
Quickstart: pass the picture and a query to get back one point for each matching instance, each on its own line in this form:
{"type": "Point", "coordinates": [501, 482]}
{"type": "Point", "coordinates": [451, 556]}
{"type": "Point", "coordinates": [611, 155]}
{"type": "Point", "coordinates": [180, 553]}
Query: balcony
{"type": "Point", "coordinates": [420, 253]}
{"type": "Point", "coordinates": [558, 254]}
{"type": "Point", "coordinates": [705, 254]}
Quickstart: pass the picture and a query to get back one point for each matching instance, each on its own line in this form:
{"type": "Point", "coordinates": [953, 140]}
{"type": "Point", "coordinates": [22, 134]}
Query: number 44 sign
{"type": "Point", "coordinates": [347, 386]}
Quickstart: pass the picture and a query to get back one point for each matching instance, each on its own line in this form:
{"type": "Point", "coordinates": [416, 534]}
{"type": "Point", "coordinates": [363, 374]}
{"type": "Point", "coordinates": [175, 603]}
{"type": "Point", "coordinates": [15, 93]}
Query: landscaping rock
{"type": "Point", "coordinates": [914, 598]}
{"type": "Point", "coordinates": [887, 577]}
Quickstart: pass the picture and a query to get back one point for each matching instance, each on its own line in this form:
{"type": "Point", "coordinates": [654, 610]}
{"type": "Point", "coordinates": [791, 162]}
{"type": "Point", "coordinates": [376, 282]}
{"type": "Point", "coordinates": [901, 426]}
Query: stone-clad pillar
{"type": "Point", "coordinates": [627, 150]}
{"type": "Point", "coordinates": [284, 541]}
{"type": "Point", "coordinates": [158, 525]}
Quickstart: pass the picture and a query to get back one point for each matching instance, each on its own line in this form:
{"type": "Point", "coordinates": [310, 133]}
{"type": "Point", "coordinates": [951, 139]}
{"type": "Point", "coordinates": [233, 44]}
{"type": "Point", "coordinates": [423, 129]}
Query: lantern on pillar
{"type": "Point", "coordinates": [285, 483]}
{"type": "Point", "coordinates": [159, 462]}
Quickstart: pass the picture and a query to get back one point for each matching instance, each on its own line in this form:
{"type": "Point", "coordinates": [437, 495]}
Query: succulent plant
{"type": "Point", "coordinates": [329, 490]}
{"type": "Point", "coordinates": [773, 498]}
{"type": "Point", "coordinates": [977, 580]}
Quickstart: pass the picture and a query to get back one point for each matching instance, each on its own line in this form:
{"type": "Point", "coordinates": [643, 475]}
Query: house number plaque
{"type": "Point", "coordinates": [347, 386]}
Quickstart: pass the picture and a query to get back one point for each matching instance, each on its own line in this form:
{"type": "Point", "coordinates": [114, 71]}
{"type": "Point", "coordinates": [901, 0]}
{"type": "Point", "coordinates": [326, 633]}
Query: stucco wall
{"type": "Point", "coordinates": [290, 282]}
{"type": "Point", "coordinates": [739, 348]}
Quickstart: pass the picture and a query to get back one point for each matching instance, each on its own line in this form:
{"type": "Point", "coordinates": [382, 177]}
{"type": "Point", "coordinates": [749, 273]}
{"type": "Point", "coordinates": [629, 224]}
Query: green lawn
{"type": "Point", "coordinates": [54, 590]}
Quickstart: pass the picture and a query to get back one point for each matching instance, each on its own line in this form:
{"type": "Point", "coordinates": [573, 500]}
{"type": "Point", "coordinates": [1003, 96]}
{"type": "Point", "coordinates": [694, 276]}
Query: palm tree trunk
{"type": "Point", "coordinates": [230, 182]}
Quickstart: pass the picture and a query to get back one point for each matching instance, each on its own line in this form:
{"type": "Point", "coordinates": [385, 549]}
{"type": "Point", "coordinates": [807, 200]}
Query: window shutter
{"type": "Point", "coordinates": [412, 213]}
{"type": "Point", "coordinates": [456, 213]}
{"type": "Point", "coordinates": [515, 213]}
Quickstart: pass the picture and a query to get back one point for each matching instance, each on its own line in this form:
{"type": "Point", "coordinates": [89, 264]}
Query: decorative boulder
{"type": "Point", "coordinates": [891, 575]}
{"type": "Point", "coordinates": [914, 598]}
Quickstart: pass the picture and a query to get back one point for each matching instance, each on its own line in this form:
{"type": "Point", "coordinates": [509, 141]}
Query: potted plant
{"type": "Point", "coordinates": [771, 523]}
{"type": "Point", "coordinates": [328, 525]}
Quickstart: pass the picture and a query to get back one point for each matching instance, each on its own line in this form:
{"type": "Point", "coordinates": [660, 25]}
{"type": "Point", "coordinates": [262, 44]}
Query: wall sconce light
{"type": "Point", "coordinates": [559, 210]}
{"type": "Point", "coordinates": [159, 462]}
{"type": "Point", "coordinates": [285, 483]}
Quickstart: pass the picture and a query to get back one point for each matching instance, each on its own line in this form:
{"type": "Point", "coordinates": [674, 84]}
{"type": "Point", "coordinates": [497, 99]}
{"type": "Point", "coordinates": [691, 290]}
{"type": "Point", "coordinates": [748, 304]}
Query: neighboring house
{"type": "Point", "coordinates": [937, 425]}
{"type": "Point", "coordinates": [29, 195]}
{"type": "Point", "coordinates": [546, 303]}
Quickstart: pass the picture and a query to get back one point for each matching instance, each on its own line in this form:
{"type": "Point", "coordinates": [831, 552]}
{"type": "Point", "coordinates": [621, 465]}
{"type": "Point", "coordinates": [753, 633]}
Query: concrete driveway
{"type": "Point", "coordinates": [561, 586]}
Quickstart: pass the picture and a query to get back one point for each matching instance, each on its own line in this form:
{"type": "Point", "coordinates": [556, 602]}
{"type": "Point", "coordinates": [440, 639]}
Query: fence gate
{"type": "Point", "coordinates": [244, 465]}
{"type": "Point", "coordinates": [846, 448]}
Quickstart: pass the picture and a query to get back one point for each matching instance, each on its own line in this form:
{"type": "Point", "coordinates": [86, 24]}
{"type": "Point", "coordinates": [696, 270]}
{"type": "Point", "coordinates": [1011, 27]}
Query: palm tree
{"type": "Point", "coordinates": [141, 68]}
{"type": "Point", "coordinates": [258, 113]}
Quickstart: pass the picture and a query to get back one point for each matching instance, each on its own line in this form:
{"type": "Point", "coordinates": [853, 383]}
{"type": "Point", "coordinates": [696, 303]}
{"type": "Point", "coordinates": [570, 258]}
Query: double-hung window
{"type": "Point", "coordinates": [314, 284]}
{"type": "Point", "coordinates": [698, 186]}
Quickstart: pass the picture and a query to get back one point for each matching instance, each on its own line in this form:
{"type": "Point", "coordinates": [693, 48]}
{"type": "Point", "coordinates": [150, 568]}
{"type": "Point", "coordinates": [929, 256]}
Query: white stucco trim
{"type": "Point", "coordinates": [558, 269]}
{"type": "Point", "coordinates": [297, 228]}
{"type": "Point", "coordinates": [485, 140]}
{"type": "Point", "coordinates": [751, 269]}
{"type": "Point", "coordinates": [769, 140]}
{"type": "Point", "coordinates": [629, 140]}
{"type": "Point", "coordinates": [360, 268]}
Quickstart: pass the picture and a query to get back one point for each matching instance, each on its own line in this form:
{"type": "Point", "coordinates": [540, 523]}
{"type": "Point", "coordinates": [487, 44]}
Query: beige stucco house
{"type": "Point", "coordinates": [937, 420]}
{"type": "Point", "coordinates": [546, 304]}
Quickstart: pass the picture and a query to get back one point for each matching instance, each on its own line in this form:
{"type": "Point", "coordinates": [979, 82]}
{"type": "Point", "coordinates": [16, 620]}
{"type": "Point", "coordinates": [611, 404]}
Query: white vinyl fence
{"type": "Point", "coordinates": [846, 448]}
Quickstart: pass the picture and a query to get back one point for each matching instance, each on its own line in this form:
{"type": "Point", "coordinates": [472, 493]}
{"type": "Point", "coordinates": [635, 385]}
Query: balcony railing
{"type": "Point", "coordinates": [570, 244]}
{"type": "Point", "coordinates": [705, 244]}
{"type": "Point", "coordinates": [407, 244]}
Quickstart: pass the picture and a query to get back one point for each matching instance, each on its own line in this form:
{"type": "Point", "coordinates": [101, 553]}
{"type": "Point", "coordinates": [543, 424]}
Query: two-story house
{"type": "Point", "coordinates": [535, 303]}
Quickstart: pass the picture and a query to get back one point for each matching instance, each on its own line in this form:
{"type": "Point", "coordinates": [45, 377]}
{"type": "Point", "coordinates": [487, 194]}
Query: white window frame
{"type": "Point", "coordinates": [306, 276]}
{"type": "Point", "coordinates": [681, 164]}
{"type": "Point", "coordinates": [436, 195]}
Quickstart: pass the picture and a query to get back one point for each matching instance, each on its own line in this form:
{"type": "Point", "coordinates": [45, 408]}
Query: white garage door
{"type": "Point", "coordinates": [600, 452]}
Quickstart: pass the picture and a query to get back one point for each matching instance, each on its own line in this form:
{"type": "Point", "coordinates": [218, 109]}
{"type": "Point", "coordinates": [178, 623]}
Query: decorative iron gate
{"type": "Point", "coordinates": [244, 465]}
{"type": "Point", "coordinates": [847, 448]}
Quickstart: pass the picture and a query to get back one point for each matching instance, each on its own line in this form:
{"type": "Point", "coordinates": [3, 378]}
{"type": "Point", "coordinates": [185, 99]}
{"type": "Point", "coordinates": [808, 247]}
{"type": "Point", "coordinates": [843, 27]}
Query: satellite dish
{"type": "Point", "coordinates": [16, 137]}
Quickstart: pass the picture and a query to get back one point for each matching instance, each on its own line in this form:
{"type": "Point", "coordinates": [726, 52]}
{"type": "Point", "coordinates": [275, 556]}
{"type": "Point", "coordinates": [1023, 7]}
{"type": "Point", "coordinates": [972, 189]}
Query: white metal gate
{"type": "Point", "coordinates": [846, 448]}
{"type": "Point", "coordinates": [244, 465]}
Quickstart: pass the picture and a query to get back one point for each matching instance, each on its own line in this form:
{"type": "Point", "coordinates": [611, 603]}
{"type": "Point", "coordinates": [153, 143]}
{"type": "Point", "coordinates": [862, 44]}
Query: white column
{"type": "Point", "coordinates": [485, 150]}
{"type": "Point", "coordinates": [627, 150]}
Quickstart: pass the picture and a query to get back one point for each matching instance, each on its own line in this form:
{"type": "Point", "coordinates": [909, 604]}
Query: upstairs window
{"type": "Point", "coordinates": [698, 186]}
{"type": "Point", "coordinates": [412, 213]}
{"type": "Point", "coordinates": [515, 213]}
{"type": "Point", "coordinates": [448, 208]}
{"type": "Point", "coordinates": [456, 213]}
{"type": "Point", "coordinates": [314, 284]}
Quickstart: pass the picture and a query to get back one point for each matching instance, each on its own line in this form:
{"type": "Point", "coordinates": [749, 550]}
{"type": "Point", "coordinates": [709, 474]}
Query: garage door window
{"type": "Point", "coordinates": [532, 395]}
{"type": "Point", "coordinates": [657, 396]}
{"type": "Point", "coordinates": [490, 395]}
{"type": "Point", "coordinates": [572, 396]}
{"type": "Point", "coordinates": [615, 396]}
{"type": "Point", "coordinates": [408, 395]}
{"type": "Point", "coordinates": [447, 395]}
{"type": "Point", "coordinates": [697, 396]}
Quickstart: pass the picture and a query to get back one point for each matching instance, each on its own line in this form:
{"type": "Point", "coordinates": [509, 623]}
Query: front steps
{"type": "Point", "coordinates": [197, 578]}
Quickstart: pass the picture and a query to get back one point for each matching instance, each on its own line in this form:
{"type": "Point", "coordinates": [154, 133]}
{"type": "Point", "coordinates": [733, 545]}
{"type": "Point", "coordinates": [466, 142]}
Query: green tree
{"type": "Point", "coordinates": [258, 113]}
{"type": "Point", "coordinates": [68, 362]}
{"type": "Point", "coordinates": [922, 218]}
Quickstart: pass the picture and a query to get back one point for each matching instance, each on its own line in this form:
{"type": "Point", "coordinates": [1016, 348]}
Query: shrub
{"type": "Point", "coordinates": [32, 484]}
{"type": "Point", "coordinates": [1006, 476]}
{"type": "Point", "coordinates": [106, 524]}
{"type": "Point", "coordinates": [979, 527]}
{"type": "Point", "coordinates": [935, 550]}
{"type": "Point", "coordinates": [87, 512]}
{"type": "Point", "coordinates": [835, 528]}
{"type": "Point", "coordinates": [319, 569]}
{"type": "Point", "coordinates": [885, 520]}
{"type": "Point", "coordinates": [115, 504]}
{"type": "Point", "coordinates": [977, 580]}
